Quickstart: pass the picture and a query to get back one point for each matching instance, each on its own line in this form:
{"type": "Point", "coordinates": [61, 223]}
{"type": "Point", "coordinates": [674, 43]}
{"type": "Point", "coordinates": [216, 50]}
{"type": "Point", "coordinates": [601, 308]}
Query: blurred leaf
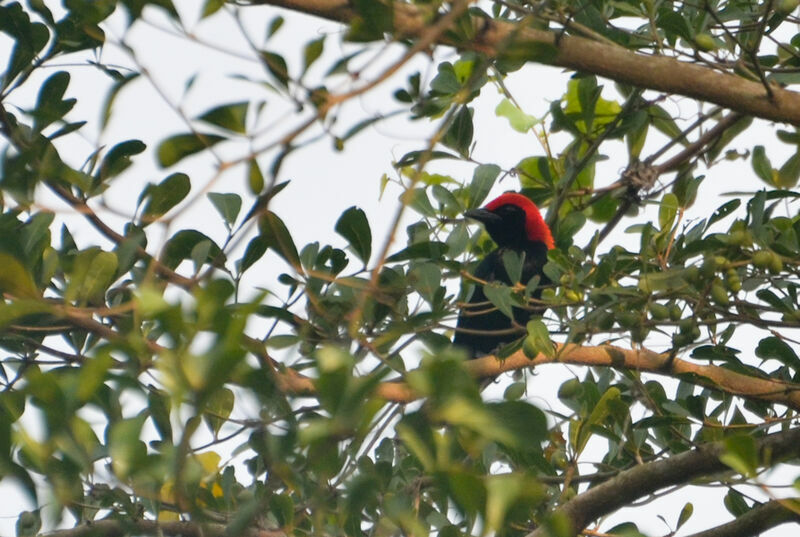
{"type": "Point", "coordinates": [128, 453]}
{"type": "Point", "coordinates": [218, 409]}
{"type": "Point", "coordinates": [49, 106]}
{"type": "Point", "coordinates": [686, 514]}
{"type": "Point", "coordinates": [99, 276]}
{"type": "Point", "coordinates": [741, 454]}
{"type": "Point", "coordinates": [180, 246]}
{"type": "Point", "coordinates": [276, 65]}
{"type": "Point", "coordinates": [667, 211]}
{"type": "Point", "coordinates": [228, 116]}
{"type": "Point", "coordinates": [354, 227]}
{"type": "Point", "coordinates": [278, 238]}
{"type": "Point", "coordinates": [422, 250]}
{"type": "Point", "coordinates": [118, 158]}
{"type": "Point", "coordinates": [164, 196]}
{"type": "Point", "coordinates": [15, 278]}
{"type": "Point", "coordinates": [175, 148]}
{"type": "Point", "coordinates": [312, 51]}
{"type": "Point", "coordinates": [776, 349]}
{"type": "Point", "coordinates": [483, 179]}
{"type": "Point", "coordinates": [519, 120]}
{"type": "Point", "coordinates": [761, 164]}
{"type": "Point", "coordinates": [538, 340]}
{"type": "Point", "coordinates": [459, 133]}
{"type": "Point", "coordinates": [228, 206]}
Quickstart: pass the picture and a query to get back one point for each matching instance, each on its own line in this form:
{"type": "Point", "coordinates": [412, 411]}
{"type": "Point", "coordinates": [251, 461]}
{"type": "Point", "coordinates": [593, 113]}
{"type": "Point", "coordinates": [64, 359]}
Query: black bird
{"type": "Point", "coordinates": [514, 223]}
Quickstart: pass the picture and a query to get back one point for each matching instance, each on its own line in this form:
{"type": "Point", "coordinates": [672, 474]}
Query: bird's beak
{"type": "Point", "coordinates": [483, 216]}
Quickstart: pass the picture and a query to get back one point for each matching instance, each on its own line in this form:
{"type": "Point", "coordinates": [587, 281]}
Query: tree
{"type": "Point", "coordinates": [133, 362]}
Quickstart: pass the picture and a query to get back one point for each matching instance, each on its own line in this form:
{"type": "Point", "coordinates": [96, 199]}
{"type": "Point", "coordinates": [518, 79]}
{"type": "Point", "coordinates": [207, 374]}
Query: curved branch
{"type": "Point", "coordinates": [757, 520]}
{"type": "Point", "coordinates": [659, 73]}
{"type": "Point", "coordinates": [648, 478]}
{"type": "Point", "coordinates": [711, 376]}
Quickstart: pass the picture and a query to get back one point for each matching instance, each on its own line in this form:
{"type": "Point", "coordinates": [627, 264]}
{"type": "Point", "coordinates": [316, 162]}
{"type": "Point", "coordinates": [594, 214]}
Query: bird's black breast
{"type": "Point", "coordinates": [481, 327]}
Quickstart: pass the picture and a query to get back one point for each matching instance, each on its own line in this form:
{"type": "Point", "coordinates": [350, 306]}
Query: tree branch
{"type": "Point", "coordinates": [757, 520]}
{"type": "Point", "coordinates": [659, 73]}
{"type": "Point", "coordinates": [718, 378]}
{"type": "Point", "coordinates": [648, 478]}
{"type": "Point", "coordinates": [124, 528]}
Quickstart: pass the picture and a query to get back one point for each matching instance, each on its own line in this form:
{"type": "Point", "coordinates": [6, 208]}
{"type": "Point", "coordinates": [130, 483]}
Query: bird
{"type": "Point", "coordinates": [515, 224]}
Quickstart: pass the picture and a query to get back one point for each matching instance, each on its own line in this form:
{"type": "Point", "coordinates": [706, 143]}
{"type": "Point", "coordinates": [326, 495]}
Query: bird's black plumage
{"type": "Point", "coordinates": [515, 224]}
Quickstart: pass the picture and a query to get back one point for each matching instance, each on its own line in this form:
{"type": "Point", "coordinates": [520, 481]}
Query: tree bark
{"type": "Point", "coordinates": [660, 73]}
{"type": "Point", "coordinates": [648, 478]}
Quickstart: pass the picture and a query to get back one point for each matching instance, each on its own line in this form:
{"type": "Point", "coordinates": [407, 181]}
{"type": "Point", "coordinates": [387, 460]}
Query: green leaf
{"type": "Point", "coordinates": [483, 179]}
{"type": "Point", "coordinates": [686, 513]}
{"type": "Point", "coordinates": [431, 250]}
{"type": "Point", "coordinates": [228, 205]}
{"type": "Point", "coordinates": [598, 415]}
{"type": "Point", "coordinates": [255, 179]}
{"type": "Point", "coordinates": [218, 409]}
{"type": "Point", "coordinates": [112, 95]}
{"type": "Point", "coordinates": [49, 106]}
{"type": "Point", "coordinates": [374, 19]}
{"type": "Point", "coordinates": [664, 122]}
{"type": "Point", "coordinates": [158, 404]}
{"type": "Point", "coordinates": [500, 296]}
{"type": "Point", "coordinates": [15, 279]}
{"type": "Point", "coordinates": [417, 199]}
{"type": "Point", "coordinates": [118, 158]}
{"type": "Point", "coordinates": [741, 454]}
{"type": "Point", "coordinates": [735, 503]}
{"type": "Point", "coordinates": [724, 210]}
{"type": "Point", "coordinates": [177, 147]}
{"type": "Point", "coordinates": [278, 238]}
{"type": "Point", "coordinates": [127, 452]}
{"type": "Point", "coordinates": [276, 65]}
{"type": "Point", "coordinates": [459, 134]}
{"type": "Point", "coordinates": [101, 273]}
{"type": "Point", "coordinates": [519, 120]}
{"type": "Point", "coordinates": [762, 165]}
{"type": "Point", "coordinates": [210, 7]}
{"type": "Point", "coordinates": [312, 51]}
{"type": "Point", "coordinates": [512, 263]}
{"type": "Point", "coordinates": [255, 250]}
{"type": "Point", "coordinates": [538, 340]}
{"type": "Point", "coordinates": [414, 157]}
{"type": "Point", "coordinates": [667, 211]}
{"type": "Point", "coordinates": [426, 279]}
{"type": "Point", "coordinates": [181, 245]}
{"type": "Point", "coordinates": [675, 24]}
{"type": "Point", "coordinates": [14, 310]}
{"type": "Point", "coordinates": [789, 172]}
{"type": "Point", "coordinates": [354, 227]}
{"type": "Point", "coordinates": [164, 196]}
{"type": "Point", "coordinates": [228, 116]}
{"type": "Point", "coordinates": [775, 348]}
{"type": "Point", "coordinates": [28, 523]}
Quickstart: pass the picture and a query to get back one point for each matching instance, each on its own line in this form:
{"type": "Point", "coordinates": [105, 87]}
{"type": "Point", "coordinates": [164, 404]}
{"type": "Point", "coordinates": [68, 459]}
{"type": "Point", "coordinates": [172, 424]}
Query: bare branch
{"type": "Point", "coordinates": [757, 520]}
{"type": "Point", "coordinates": [651, 477]}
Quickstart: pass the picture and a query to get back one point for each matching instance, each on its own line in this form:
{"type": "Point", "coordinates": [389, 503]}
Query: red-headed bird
{"type": "Point", "coordinates": [514, 223]}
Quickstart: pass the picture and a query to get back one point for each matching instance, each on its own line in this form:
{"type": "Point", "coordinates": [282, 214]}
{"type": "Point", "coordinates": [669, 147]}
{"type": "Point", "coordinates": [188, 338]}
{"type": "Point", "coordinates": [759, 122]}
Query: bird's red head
{"type": "Point", "coordinates": [535, 227]}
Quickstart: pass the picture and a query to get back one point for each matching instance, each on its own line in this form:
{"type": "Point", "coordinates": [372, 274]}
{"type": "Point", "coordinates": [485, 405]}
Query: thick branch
{"type": "Point", "coordinates": [123, 528]}
{"type": "Point", "coordinates": [754, 522]}
{"type": "Point", "coordinates": [725, 380]}
{"type": "Point", "coordinates": [648, 478]}
{"type": "Point", "coordinates": [659, 73]}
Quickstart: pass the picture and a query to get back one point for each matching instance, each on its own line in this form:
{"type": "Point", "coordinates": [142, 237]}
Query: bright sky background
{"type": "Point", "coordinates": [325, 182]}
